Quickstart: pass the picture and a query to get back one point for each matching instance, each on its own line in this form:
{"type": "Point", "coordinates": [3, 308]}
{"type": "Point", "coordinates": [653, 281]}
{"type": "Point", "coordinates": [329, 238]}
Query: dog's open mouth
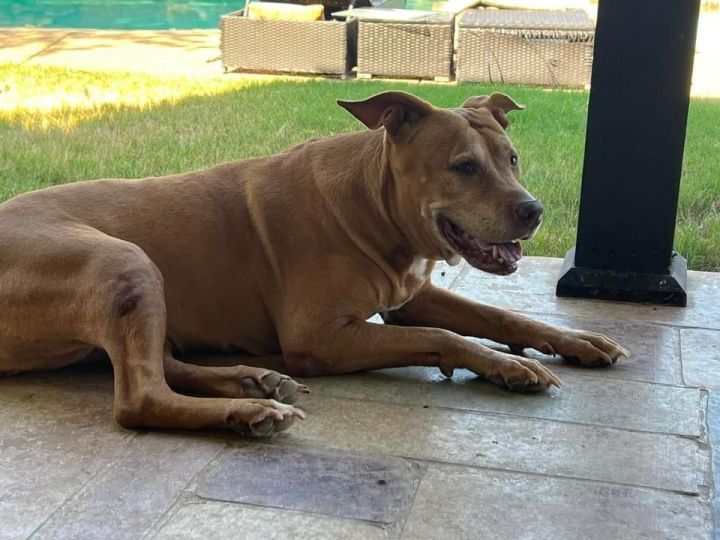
{"type": "Point", "coordinates": [496, 258]}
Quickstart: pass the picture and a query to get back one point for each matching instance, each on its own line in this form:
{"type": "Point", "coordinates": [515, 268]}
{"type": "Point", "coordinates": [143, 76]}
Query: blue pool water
{"type": "Point", "coordinates": [116, 14]}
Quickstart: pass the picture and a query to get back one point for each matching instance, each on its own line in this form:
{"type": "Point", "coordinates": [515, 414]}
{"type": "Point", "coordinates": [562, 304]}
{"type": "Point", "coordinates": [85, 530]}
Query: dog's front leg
{"type": "Point", "coordinates": [346, 345]}
{"type": "Point", "coordinates": [442, 309]}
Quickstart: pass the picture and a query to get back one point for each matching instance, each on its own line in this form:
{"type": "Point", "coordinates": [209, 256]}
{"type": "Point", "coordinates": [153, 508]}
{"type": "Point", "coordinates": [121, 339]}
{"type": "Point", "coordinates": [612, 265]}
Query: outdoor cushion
{"type": "Point", "coordinates": [285, 12]}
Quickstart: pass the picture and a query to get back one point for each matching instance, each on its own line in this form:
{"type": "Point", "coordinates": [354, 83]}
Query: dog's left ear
{"type": "Point", "coordinates": [498, 104]}
{"type": "Point", "coordinates": [393, 110]}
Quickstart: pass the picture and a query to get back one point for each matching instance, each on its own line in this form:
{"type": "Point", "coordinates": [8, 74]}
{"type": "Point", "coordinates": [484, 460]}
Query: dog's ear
{"type": "Point", "coordinates": [392, 110]}
{"type": "Point", "coordinates": [498, 104]}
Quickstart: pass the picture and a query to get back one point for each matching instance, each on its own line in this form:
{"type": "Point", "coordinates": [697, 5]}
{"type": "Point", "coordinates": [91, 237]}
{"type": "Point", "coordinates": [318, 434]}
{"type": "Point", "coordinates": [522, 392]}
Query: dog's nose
{"type": "Point", "coordinates": [529, 212]}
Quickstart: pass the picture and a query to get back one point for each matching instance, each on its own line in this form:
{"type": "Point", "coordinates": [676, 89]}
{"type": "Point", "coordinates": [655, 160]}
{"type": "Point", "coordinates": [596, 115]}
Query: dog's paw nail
{"type": "Point", "coordinates": [447, 372]}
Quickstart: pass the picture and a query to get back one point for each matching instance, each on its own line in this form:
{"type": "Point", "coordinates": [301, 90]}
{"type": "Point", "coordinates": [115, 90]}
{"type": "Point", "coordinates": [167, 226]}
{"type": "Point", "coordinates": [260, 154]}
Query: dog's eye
{"type": "Point", "coordinates": [466, 167]}
{"type": "Point", "coordinates": [513, 160]}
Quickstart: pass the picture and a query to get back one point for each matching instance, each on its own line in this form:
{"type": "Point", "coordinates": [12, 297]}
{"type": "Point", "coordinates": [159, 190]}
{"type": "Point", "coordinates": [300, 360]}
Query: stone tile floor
{"type": "Point", "coordinates": [617, 453]}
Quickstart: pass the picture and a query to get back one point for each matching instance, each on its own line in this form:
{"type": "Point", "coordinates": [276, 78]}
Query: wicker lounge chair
{"type": "Point", "coordinates": [321, 47]}
{"type": "Point", "coordinates": [403, 43]}
{"type": "Point", "coordinates": [548, 48]}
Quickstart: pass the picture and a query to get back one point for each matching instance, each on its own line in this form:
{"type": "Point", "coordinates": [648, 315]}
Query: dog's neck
{"type": "Point", "coordinates": [371, 215]}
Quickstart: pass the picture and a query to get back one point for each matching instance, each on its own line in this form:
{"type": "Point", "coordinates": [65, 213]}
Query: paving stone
{"type": "Point", "coordinates": [459, 503]}
{"type": "Point", "coordinates": [164, 53]}
{"type": "Point", "coordinates": [714, 435]}
{"type": "Point", "coordinates": [211, 520]}
{"type": "Point", "coordinates": [700, 357]}
{"type": "Point", "coordinates": [135, 491]}
{"type": "Point", "coordinates": [20, 44]}
{"type": "Point", "coordinates": [337, 484]}
{"type": "Point", "coordinates": [56, 434]}
{"type": "Point", "coordinates": [655, 350]}
{"type": "Point", "coordinates": [585, 400]}
{"type": "Point", "coordinates": [705, 78]}
{"type": "Point", "coordinates": [504, 442]}
{"type": "Point", "coordinates": [532, 290]}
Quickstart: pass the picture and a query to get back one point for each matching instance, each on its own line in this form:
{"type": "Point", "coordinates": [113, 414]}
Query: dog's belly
{"type": "Point", "coordinates": [238, 323]}
{"type": "Point", "coordinates": [17, 357]}
{"type": "Point", "coordinates": [215, 341]}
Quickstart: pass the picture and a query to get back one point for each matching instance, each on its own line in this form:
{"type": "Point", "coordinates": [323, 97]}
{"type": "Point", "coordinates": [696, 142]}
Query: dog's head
{"type": "Point", "coordinates": [457, 176]}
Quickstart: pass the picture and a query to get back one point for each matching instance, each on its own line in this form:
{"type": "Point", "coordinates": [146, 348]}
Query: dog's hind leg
{"type": "Point", "coordinates": [131, 317]}
{"type": "Point", "coordinates": [232, 381]}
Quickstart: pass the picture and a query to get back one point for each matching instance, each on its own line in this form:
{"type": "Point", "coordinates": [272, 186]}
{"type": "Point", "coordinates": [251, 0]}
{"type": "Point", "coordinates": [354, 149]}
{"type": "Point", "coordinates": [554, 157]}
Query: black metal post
{"type": "Point", "coordinates": [634, 145]}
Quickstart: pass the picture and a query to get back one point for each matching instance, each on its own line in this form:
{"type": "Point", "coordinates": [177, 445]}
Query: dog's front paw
{"type": "Point", "coordinates": [586, 348]}
{"type": "Point", "coordinates": [523, 375]}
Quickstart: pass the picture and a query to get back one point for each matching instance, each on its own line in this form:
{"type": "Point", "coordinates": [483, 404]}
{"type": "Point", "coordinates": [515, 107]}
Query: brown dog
{"type": "Point", "coordinates": [284, 254]}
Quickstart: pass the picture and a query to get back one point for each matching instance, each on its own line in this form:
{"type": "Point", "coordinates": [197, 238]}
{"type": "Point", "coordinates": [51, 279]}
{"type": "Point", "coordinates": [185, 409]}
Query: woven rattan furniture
{"type": "Point", "coordinates": [548, 48]}
{"type": "Point", "coordinates": [323, 47]}
{"type": "Point", "coordinates": [404, 43]}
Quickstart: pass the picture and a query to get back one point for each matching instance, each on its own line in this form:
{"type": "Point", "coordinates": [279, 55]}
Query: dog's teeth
{"type": "Point", "coordinates": [500, 260]}
{"type": "Point", "coordinates": [495, 252]}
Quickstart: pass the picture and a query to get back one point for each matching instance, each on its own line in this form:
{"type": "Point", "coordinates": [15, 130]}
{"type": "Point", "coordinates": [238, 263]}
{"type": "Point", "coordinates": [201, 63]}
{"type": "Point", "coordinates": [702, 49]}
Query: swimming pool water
{"type": "Point", "coordinates": [116, 14]}
{"type": "Point", "coordinates": [126, 14]}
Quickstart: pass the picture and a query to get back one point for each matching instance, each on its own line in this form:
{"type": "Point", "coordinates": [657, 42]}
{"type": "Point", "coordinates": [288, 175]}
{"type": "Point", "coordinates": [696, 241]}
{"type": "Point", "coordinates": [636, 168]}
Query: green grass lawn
{"type": "Point", "coordinates": [58, 126]}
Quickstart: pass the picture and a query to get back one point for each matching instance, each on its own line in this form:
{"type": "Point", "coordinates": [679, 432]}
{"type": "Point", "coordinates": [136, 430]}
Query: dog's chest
{"type": "Point", "coordinates": [410, 279]}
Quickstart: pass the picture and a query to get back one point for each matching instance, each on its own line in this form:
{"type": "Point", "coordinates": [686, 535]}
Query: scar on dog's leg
{"type": "Point", "coordinates": [237, 381]}
{"type": "Point", "coordinates": [133, 325]}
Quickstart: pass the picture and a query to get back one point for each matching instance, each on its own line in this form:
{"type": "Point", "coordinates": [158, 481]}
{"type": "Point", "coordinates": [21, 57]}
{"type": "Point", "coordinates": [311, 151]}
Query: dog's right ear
{"type": "Point", "coordinates": [498, 104]}
{"type": "Point", "coordinates": [392, 110]}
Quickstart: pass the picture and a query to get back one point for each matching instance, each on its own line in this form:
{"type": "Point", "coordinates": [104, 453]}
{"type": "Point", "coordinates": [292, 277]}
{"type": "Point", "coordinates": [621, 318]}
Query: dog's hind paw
{"type": "Point", "coordinates": [265, 383]}
{"type": "Point", "coordinates": [262, 417]}
{"type": "Point", "coordinates": [281, 387]}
